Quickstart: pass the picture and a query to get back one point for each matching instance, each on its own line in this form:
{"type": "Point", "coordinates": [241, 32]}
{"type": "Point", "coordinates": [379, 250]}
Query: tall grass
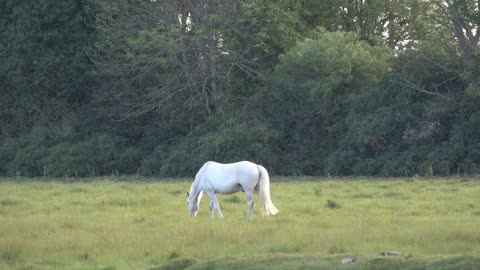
{"type": "Point", "coordinates": [112, 224]}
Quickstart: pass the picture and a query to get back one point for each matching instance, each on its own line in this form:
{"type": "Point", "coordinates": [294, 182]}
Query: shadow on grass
{"type": "Point", "coordinates": [176, 264]}
{"type": "Point", "coordinates": [284, 261]}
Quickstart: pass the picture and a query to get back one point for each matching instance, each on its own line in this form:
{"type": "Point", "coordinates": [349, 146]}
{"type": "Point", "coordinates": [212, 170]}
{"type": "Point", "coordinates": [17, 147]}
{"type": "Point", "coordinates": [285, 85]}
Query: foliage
{"type": "Point", "coordinates": [226, 139]}
{"type": "Point", "coordinates": [43, 63]}
{"type": "Point", "coordinates": [396, 24]}
{"type": "Point", "coordinates": [396, 130]}
{"type": "Point", "coordinates": [334, 64]}
{"type": "Point", "coordinates": [312, 84]}
{"type": "Point", "coordinates": [302, 87]}
{"type": "Point", "coordinates": [39, 153]}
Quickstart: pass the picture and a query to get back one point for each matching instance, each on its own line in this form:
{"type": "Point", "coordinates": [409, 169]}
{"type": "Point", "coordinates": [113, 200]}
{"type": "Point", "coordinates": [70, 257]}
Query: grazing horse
{"type": "Point", "coordinates": [244, 176]}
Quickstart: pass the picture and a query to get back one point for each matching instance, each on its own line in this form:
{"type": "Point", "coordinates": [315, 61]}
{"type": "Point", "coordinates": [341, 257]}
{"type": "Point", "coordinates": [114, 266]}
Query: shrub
{"type": "Point", "coordinates": [331, 204]}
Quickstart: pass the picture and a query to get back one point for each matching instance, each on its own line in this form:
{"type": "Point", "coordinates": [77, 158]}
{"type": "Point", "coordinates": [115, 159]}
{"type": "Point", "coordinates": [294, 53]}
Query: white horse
{"type": "Point", "coordinates": [244, 176]}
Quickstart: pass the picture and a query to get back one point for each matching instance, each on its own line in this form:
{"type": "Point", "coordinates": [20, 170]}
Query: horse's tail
{"type": "Point", "coordinates": [264, 192]}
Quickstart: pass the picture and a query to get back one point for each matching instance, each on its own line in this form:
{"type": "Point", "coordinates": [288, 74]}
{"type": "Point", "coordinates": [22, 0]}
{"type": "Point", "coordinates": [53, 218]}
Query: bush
{"type": "Point", "coordinates": [224, 139]}
{"type": "Point", "coordinates": [331, 204]}
{"type": "Point", "coordinates": [98, 155]}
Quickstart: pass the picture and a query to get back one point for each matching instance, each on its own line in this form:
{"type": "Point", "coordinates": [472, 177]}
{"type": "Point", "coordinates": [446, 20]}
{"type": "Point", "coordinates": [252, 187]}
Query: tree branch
{"type": "Point", "coordinates": [418, 88]}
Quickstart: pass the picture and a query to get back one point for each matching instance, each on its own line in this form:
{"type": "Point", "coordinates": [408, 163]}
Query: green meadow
{"type": "Point", "coordinates": [138, 223]}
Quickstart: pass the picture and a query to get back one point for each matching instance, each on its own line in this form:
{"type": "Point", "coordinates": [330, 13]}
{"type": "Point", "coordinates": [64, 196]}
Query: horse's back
{"type": "Point", "coordinates": [241, 168]}
{"type": "Point", "coordinates": [225, 176]}
{"type": "Point", "coordinates": [246, 169]}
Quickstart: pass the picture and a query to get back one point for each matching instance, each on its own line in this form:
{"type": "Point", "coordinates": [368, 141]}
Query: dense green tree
{"type": "Point", "coordinates": [43, 62]}
{"type": "Point", "coordinates": [396, 130]}
{"type": "Point", "coordinates": [398, 23]}
{"type": "Point", "coordinates": [348, 87]}
{"type": "Point", "coordinates": [313, 82]}
{"type": "Point", "coordinates": [43, 75]}
{"type": "Point", "coordinates": [186, 52]}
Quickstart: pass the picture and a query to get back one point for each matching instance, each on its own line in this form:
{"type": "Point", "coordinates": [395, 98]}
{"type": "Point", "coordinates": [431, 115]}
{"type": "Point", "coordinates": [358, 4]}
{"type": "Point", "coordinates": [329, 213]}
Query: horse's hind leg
{"type": "Point", "coordinates": [250, 202]}
{"type": "Point", "coordinates": [257, 190]}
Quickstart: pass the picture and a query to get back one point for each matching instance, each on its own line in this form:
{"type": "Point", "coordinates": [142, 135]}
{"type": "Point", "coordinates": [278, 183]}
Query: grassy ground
{"type": "Point", "coordinates": [109, 224]}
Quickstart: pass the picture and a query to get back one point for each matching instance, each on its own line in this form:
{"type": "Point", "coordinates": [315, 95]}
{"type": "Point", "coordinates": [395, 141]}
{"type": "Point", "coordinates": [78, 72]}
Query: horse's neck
{"type": "Point", "coordinates": [195, 189]}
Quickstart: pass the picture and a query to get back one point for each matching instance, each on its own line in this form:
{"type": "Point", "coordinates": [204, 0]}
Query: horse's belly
{"type": "Point", "coordinates": [227, 188]}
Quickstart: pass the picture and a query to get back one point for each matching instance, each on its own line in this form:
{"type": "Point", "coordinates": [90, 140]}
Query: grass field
{"type": "Point", "coordinates": [131, 223]}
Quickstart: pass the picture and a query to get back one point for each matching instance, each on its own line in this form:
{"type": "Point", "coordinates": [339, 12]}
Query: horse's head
{"type": "Point", "coordinates": [193, 203]}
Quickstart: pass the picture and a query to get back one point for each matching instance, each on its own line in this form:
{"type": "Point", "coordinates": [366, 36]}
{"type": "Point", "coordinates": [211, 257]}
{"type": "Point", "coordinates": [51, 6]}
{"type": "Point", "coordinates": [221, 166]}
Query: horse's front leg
{"type": "Point", "coordinates": [250, 203]}
{"type": "Point", "coordinates": [211, 209]}
{"type": "Point", "coordinates": [216, 206]}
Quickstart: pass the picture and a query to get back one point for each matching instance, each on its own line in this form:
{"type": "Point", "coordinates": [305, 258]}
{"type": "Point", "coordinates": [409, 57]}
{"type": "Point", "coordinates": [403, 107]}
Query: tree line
{"type": "Point", "coordinates": [304, 87]}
